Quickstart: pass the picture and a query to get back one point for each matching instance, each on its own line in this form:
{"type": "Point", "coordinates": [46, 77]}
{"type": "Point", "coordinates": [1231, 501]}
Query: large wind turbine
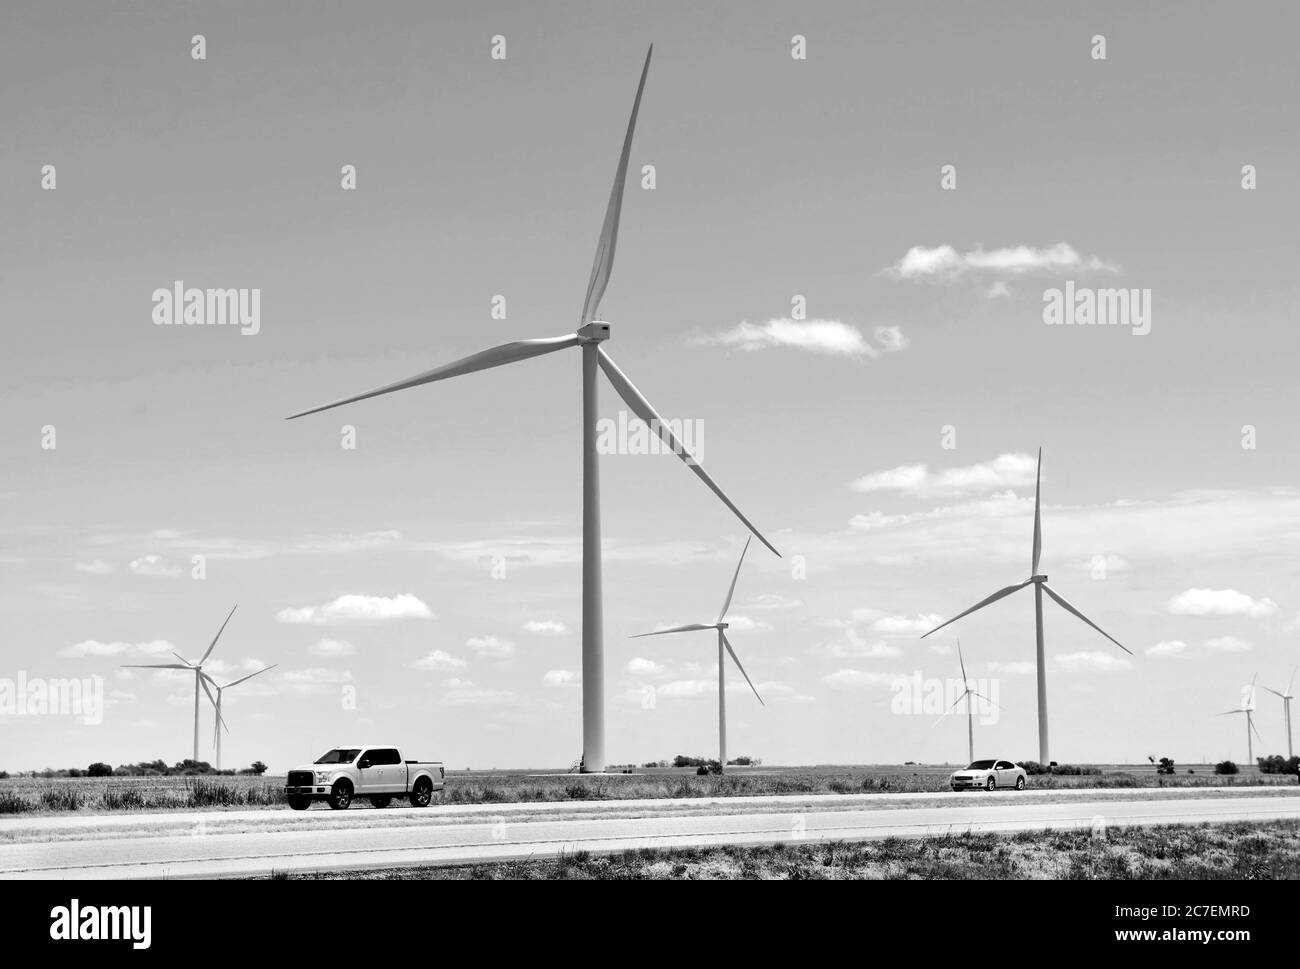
{"type": "Point", "coordinates": [591, 332]}
{"type": "Point", "coordinates": [1039, 582]}
{"type": "Point", "coordinates": [723, 644]}
{"type": "Point", "coordinates": [1248, 707]}
{"type": "Point", "coordinates": [968, 695]}
{"type": "Point", "coordinates": [1286, 709]}
{"type": "Point", "coordinates": [219, 721]}
{"type": "Point", "coordinates": [201, 679]}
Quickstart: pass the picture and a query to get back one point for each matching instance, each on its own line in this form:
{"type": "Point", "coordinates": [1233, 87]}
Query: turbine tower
{"type": "Point", "coordinates": [220, 722]}
{"type": "Point", "coordinates": [1248, 708]}
{"type": "Point", "coordinates": [1039, 582]}
{"type": "Point", "coordinates": [1287, 697]}
{"type": "Point", "coordinates": [721, 626]}
{"type": "Point", "coordinates": [591, 333]}
{"type": "Point", "coordinates": [967, 695]}
{"type": "Point", "coordinates": [201, 679]}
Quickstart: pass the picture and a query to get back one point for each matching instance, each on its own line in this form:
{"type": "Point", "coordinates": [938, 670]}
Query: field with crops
{"type": "Point", "coordinates": [20, 795]}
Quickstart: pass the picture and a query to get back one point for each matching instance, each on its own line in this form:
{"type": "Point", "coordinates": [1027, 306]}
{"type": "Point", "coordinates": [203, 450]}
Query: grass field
{"type": "Point", "coordinates": [20, 795]}
{"type": "Point", "coordinates": [1209, 852]}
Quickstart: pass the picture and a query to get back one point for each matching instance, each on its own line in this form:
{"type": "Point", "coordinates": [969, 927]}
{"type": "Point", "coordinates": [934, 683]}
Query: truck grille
{"type": "Point", "coordinates": [300, 778]}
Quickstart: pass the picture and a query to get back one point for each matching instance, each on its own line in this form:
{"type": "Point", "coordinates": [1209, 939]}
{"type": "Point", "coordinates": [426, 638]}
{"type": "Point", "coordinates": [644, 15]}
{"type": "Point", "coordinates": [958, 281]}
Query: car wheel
{"type": "Point", "coordinates": [299, 803]}
{"type": "Point", "coordinates": [341, 795]}
{"type": "Point", "coordinates": [990, 784]}
{"type": "Point", "coordinates": [1020, 783]}
{"type": "Point", "coordinates": [381, 802]}
{"type": "Point", "coordinates": [422, 793]}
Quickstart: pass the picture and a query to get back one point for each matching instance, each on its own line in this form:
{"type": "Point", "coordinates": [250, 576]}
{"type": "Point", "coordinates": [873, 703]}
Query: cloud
{"type": "Point", "coordinates": [305, 682]}
{"type": "Point", "coordinates": [145, 725]}
{"type": "Point", "coordinates": [1220, 602]}
{"type": "Point", "coordinates": [491, 647]}
{"type": "Point", "coordinates": [1015, 668]}
{"type": "Point", "coordinates": [1227, 644]}
{"type": "Point", "coordinates": [546, 627]}
{"type": "Point", "coordinates": [471, 696]}
{"type": "Point", "coordinates": [438, 661]}
{"type": "Point", "coordinates": [855, 645]}
{"type": "Point", "coordinates": [829, 337]}
{"type": "Point", "coordinates": [154, 565]}
{"type": "Point", "coordinates": [97, 567]}
{"type": "Point", "coordinates": [744, 624]}
{"type": "Point", "coordinates": [945, 263]}
{"type": "Point", "coordinates": [561, 678]}
{"type": "Point", "coordinates": [1091, 662]}
{"type": "Point", "coordinates": [358, 609]}
{"type": "Point", "coordinates": [1168, 647]}
{"type": "Point", "coordinates": [1004, 471]}
{"type": "Point", "coordinates": [998, 290]}
{"type": "Point", "coordinates": [773, 601]}
{"type": "Point", "coordinates": [94, 647]}
{"type": "Point", "coordinates": [639, 666]}
{"type": "Point", "coordinates": [860, 680]}
{"type": "Point", "coordinates": [332, 647]}
{"type": "Point", "coordinates": [906, 626]}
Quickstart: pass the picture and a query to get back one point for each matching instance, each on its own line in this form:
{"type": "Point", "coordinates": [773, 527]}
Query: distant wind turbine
{"type": "Point", "coordinates": [721, 626]}
{"type": "Point", "coordinates": [1247, 707]}
{"type": "Point", "coordinates": [592, 331]}
{"type": "Point", "coordinates": [967, 694]}
{"type": "Point", "coordinates": [201, 679]}
{"type": "Point", "coordinates": [1040, 585]}
{"type": "Point", "coordinates": [219, 722]}
{"type": "Point", "coordinates": [1287, 697]}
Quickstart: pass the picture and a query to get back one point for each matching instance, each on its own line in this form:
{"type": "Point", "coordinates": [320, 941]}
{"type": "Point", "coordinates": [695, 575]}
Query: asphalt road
{"type": "Point", "coordinates": [324, 845]}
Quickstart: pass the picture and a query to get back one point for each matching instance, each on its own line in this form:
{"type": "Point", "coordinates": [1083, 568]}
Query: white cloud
{"type": "Point", "coordinates": [639, 666]}
{"type": "Point", "coordinates": [773, 601]}
{"type": "Point", "coordinates": [857, 680]}
{"type": "Point", "coordinates": [1220, 602]}
{"type": "Point", "coordinates": [305, 682]}
{"type": "Point", "coordinates": [332, 647]}
{"type": "Point", "coordinates": [1091, 662]}
{"type": "Point", "coordinates": [999, 289]}
{"type": "Point", "coordinates": [470, 696]}
{"type": "Point", "coordinates": [830, 337]}
{"type": "Point", "coordinates": [491, 647]}
{"type": "Point", "coordinates": [945, 263]}
{"type": "Point", "coordinates": [546, 627]}
{"type": "Point", "coordinates": [1004, 471]}
{"type": "Point", "coordinates": [1227, 644]}
{"type": "Point", "coordinates": [1168, 647]}
{"type": "Point", "coordinates": [438, 661]}
{"type": "Point", "coordinates": [1014, 668]}
{"type": "Point", "coordinates": [97, 567]}
{"type": "Point", "coordinates": [561, 678]}
{"type": "Point", "coordinates": [358, 609]}
{"type": "Point", "coordinates": [93, 647]}
{"type": "Point", "coordinates": [155, 565]}
{"type": "Point", "coordinates": [744, 624]}
{"type": "Point", "coordinates": [905, 625]}
{"type": "Point", "coordinates": [853, 644]}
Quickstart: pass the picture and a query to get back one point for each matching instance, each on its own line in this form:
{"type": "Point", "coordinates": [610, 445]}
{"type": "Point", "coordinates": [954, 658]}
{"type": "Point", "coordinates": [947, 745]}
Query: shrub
{"type": "Point", "coordinates": [11, 803]}
{"type": "Point", "coordinates": [99, 769]}
{"type": "Point", "coordinates": [61, 798]}
{"type": "Point", "coordinates": [1226, 767]}
{"type": "Point", "coordinates": [1166, 766]}
{"type": "Point", "coordinates": [1277, 764]}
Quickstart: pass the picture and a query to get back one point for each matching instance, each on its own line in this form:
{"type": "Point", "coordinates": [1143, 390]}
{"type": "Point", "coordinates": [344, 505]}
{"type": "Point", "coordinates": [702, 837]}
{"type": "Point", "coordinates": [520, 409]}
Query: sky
{"type": "Point", "coordinates": [856, 333]}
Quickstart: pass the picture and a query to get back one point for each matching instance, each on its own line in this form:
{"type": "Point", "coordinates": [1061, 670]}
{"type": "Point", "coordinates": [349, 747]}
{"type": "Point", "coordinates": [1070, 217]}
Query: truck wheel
{"type": "Point", "coordinates": [341, 795]}
{"type": "Point", "coordinates": [422, 793]}
{"type": "Point", "coordinates": [379, 801]}
{"type": "Point", "coordinates": [299, 803]}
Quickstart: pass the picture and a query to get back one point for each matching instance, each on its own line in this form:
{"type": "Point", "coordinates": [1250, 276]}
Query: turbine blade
{"type": "Point", "coordinates": [1038, 521]}
{"type": "Point", "coordinates": [730, 592]}
{"type": "Point", "coordinates": [964, 678]}
{"type": "Point", "coordinates": [727, 643]}
{"type": "Point", "coordinates": [604, 261]}
{"type": "Point", "coordinates": [250, 676]}
{"type": "Point", "coordinates": [984, 698]}
{"type": "Point", "coordinates": [483, 360]}
{"type": "Point", "coordinates": [1069, 608]}
{"type": "Point", "coordinates": [1228, 713]}
{"type": "Point", "coordinates": [187, 663]}
{"type": "Point", "coordinates": [1291, 682]}
{"type": "Point", "coordinates": [156, 666]}
{"type": "Point", "coordinates": [642, 409]}
{"type": "Point", "coordinates": [1275, 692]}
{"type": "Point", "coordinates": [1000, 594]}
{"type": "Point", "coordinates": [1256, 729]}
{"type": "Point", "coordinates": [675, 629]}
{"type": "Point", "coordinates": [216, 637]}
{"type": "Point", "coordinates": [203, 678]}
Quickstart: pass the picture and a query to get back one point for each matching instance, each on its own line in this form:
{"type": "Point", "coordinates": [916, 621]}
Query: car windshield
{"type": "Point", "coordinates": [339, 755]}
{"type": "Point", "coordinates": [981, 765]}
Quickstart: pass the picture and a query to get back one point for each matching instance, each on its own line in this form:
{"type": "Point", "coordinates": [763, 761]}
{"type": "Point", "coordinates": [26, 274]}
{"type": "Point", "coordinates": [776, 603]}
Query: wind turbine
{"type": "Point", "coordinates": [723, 644]}
{"type": "Point", "coordinates": [1248, 707]}
{"type": "Point", "coordinates": [201, 679]}
{"type": "Point", "coordinates": [967, 694]}
{"type": "Point", "coordinates": [1286, 709]}
{"type": "Point", "coordinates": [220, 721]}
{"type": "Point", "coordinates": [1039, 582]}
{"type": "Point", "coordinates": [591, 332]}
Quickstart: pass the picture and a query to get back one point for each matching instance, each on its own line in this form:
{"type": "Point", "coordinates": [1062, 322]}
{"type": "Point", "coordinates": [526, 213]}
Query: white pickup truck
{"type": "Point", "coordinates": [364, 770]}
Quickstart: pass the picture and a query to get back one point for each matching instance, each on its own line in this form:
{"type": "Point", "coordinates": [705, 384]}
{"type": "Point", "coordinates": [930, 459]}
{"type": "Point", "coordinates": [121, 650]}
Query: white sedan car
{"type": "Point", "coordinates": [990, 775]}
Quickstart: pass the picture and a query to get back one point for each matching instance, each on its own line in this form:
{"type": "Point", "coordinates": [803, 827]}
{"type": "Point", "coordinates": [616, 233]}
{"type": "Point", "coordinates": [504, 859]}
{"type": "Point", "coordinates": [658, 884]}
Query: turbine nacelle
{"type": "Point", "coordinates": [1038, 578]}
{"type": "Point", "coordinates": [594, 332]}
